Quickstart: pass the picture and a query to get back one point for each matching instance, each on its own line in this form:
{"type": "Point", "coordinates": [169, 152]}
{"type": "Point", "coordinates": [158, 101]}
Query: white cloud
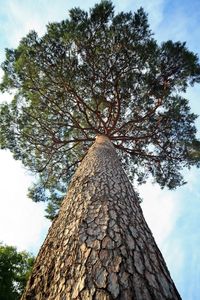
{"type": "Point", "coordinates": [161, 210]}
{"type": "Point", "coordinates": [22, 16]}
{"type": "Point", "coordinates": [22, 221]}
{"type": "Point", "coordinates": [6, 97]}
{"type": "Point", "coordinates": [174, 254]}
{"type": "Point", "coordinates": [20, 21]}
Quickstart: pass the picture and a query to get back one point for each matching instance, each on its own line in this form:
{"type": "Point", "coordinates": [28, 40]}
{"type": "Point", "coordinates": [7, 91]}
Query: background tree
{"type": "Point", "coordinates": [99, 73]}
{"type": "Point", "coordinates": [15, 268]}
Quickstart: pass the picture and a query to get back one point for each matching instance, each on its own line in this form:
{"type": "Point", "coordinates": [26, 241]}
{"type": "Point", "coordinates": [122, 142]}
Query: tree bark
{"type": "Point", "coordinates": [100, 247]}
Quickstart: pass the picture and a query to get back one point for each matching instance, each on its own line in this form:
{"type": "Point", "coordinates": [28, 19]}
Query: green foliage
{"type": "Point", "coordinates": [99, 73]}
{"type": "Point", "coordinates": [193, 150]}
{"type": "Point", "coordinates": [15, 268]}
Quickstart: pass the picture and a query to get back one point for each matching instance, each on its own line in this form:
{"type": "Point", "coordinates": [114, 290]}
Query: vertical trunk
{"type": "Point", "coordinates": [99, 246]}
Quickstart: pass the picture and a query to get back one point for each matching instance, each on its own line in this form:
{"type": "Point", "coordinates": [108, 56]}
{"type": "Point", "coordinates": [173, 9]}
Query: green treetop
{"type": "Point", "coordinates": [15, 268]}
{"type": "Point", "coordinates": [98, 72]}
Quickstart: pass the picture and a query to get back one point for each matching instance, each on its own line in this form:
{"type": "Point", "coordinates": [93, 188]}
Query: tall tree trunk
{"type": "Point", "coordinates": [99, 246]}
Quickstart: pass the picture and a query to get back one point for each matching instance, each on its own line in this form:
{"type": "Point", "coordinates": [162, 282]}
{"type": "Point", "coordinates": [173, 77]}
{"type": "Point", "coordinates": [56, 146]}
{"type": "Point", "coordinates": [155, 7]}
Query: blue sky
{"type": "Point", "coordinates": [173, 216]}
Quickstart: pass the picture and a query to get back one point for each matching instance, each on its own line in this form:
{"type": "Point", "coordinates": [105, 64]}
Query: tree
{"type": "Point", "coordinates": [15, 268]}
{"type": "Point", "coordinates": [99, 74]}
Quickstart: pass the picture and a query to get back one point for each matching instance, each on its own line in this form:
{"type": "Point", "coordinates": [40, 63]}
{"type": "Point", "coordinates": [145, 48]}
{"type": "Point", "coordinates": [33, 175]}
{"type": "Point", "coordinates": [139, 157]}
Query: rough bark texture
{"type": "Point", "coordinates": [100, 247]}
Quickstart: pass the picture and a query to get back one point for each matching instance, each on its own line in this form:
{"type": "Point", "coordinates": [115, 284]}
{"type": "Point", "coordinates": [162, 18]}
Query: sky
{"type": "Point", "coordinates": [173, 216]}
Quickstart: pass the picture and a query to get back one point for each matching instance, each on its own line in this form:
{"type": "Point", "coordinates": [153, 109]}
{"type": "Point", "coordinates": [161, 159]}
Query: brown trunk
{"type": "Point", "coordinates": [99, 246]}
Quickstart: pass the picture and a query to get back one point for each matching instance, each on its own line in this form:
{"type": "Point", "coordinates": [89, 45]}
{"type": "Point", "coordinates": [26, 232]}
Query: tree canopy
{"type": "Point", "coordinates": [15, 268]}
{"type": "Point", "coordinates": [98, 72]}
